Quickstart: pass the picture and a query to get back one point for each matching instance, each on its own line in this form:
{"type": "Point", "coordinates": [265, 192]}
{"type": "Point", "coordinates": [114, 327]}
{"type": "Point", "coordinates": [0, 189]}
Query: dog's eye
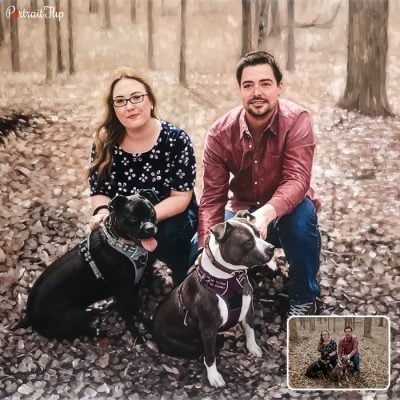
{"type": "Point", "coordinates": [248, 243]}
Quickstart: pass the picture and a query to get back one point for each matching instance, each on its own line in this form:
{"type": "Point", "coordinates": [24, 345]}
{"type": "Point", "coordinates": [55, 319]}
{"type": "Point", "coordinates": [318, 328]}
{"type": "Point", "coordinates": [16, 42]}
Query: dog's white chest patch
{"type": "Point", "coordinates": [246, 301]}
{"type": "Point", "coordinates": [223, 310]}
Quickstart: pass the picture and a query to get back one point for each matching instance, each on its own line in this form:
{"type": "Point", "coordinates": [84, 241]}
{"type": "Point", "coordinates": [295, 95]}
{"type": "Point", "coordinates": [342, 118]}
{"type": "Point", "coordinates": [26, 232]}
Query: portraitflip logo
{"type": "Point", "coordinates": [45, 12]}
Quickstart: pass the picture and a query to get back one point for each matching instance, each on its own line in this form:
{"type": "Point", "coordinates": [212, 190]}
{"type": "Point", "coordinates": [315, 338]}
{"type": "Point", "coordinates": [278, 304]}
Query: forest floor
{"type": "Point", "coordinates": [44, 210]}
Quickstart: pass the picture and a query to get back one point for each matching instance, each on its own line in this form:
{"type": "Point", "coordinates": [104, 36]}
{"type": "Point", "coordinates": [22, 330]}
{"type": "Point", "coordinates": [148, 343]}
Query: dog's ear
{"type": "Point", "coordinates": [221, 230]}
{"type": "Point", "coordinates": [117, 202]}
{"type": "Point", "coordinates": [246, 215]}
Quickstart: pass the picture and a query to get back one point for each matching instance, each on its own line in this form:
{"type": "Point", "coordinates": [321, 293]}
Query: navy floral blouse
{"type": "Point", "coordinates": [328, 348]}
{"type": "Point", "coordinates": [169, 165]}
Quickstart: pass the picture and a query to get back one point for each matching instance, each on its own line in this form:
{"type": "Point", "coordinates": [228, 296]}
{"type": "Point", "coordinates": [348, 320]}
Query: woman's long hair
{"type": "Point", "coordinates": [110, 131]}
{"type": "Point", "coordinates": [321, 340]}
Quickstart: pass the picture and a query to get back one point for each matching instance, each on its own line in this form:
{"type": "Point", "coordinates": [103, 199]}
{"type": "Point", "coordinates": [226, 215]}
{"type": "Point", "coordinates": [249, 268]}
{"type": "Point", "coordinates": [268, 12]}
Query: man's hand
{"type": "Point", "coordinates": [264, 216]}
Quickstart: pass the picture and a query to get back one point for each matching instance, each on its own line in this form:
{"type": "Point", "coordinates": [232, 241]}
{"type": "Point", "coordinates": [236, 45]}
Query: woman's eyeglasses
{"type": "Point", "coordinates": [134, 99]}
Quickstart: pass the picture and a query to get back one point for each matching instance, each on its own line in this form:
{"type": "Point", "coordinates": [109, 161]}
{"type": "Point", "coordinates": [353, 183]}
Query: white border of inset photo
{"type": "Point", "coordinates": [341, 389]}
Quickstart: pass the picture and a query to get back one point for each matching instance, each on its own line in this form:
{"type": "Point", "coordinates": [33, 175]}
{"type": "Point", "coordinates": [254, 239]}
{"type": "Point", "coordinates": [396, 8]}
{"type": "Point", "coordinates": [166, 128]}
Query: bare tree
{"type": "Point", "coordinates": [293, 333]}
{"type": "Point", "coordinates": [290, 39]}
{"type": "Point", "coordinates": [49, 69]}
{"type": "Point", "coordinates": [263, 25]}
{"type": "Point", "coordinates": [182, 54]}
{"type": "Point", "coordinates": [133, 11]}
{"type": "Point", "coordinates": [107, 14]}
{"type": "Point", "coordinates": [15, 63]}
{"type": "Point", "coordinates": [34, 5]}
{"type": "Point", "coordinates": [349, 322]}
{"type": "Point", "coordinates": [303, 323]}
{"type": "Point", "coordinates": [311, 322]}
{"type": "Point", "coordinates": [150, 47]}
{"type": "Point", "coordinates": [70, 40]}
{"type": "Point", "coordinates": [381, 319]}
{"type": "Point", "coordinates": [60, 64]}
{"type": "Point", "coordinates": [246, 26]}
{"type": "Point", "coordinates": [1, 27]}
{"type": "Point", "coordinates": [93, 6]}
{"type": "Point", "coordinates": [275, 20]}
{"type": "Point", "coordinates": [367, 327]}
{"type": "Point", "coordinates": [366, 58]}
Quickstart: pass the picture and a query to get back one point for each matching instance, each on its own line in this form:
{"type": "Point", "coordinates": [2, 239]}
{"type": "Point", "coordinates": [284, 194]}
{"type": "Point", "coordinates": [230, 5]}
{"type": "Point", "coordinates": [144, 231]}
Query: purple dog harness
{"type": "Point", "coordinates": [230, 290]}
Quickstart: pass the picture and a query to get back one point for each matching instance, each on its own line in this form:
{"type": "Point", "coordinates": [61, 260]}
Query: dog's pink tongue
{"type": "Point", "coordinates": [149, 244]}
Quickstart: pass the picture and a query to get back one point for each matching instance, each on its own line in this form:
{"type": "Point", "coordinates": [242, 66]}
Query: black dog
{"type": "Point", "coordinates": [215, 296]}
{"type": "Point", "coordinates": [110, 263]}
{"type": "Point", "coordinates": [319, 367]}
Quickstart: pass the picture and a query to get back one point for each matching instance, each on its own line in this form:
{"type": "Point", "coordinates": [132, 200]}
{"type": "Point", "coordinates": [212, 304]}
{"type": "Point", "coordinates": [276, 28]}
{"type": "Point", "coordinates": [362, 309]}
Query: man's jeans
{"type": "Point", "coordinates": [356, 361]}
{"type": "Point", "coordinates": [298, 235]}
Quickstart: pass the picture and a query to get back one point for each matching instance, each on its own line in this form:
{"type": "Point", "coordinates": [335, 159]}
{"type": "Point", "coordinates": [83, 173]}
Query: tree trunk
{"type": "Point", "coordinates": [256, 24]}
{"type": "Point", "coordinates": [293, 333]}
{"type": "Point", "coordinates": [334, 324]}
{"type": "Point", "coordinates": [348, 322]}
{"type": "Point", "coordinates": [1, 26]}
{"type": "Point", "coordinates": [70, 40]}
{"type": "Point", "coordinates": [312, 324]}
{"type": "Point", "coordinates": [133, 11]}
{"type": "Point", "coordinates": [367, 327]}
{"type": "Point", "coordinates": [290, 39]}
{"type": "Point", "coordinates": [49, 69]}
{"type": "Point", "coordinates": [263, 26]}
{"type": "Point", "coordinates": [366, 58]}
{"type": "Point", "coordinates": [93, 6]}
{"type": "Point", "coordinates": [150, 50]}
{"type": "Point", "coordinates": [275, 22]}
{"type": "Point", "coordinates": [60, 65]}
{"type": "Point", "coordinates": [182, 55]}
{"type": "Point", "coordinates": [15, 63]}
{"type": "Point", "coordinates": [303, 324]}
{"type": "Point", "coordinates": [246, 26]}
{"type": "Point", "coordinates": [34, 5]}
{"type": "Point", "coordinates": [107, 14]}
{"type": "Point", "coordinates": [381, 321]}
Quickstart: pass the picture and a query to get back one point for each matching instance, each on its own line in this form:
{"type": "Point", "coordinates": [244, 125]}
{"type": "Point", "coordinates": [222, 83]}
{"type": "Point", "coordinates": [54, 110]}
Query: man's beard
{"type": "Point", "coordinates": [258, 113]}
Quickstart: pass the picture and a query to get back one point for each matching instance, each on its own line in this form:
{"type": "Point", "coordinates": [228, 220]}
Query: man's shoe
{"type": "Point", "coordinates": [296, 309]}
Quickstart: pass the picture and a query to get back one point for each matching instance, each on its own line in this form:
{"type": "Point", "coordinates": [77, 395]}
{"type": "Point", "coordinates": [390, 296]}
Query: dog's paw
{"type": "Point", "coordinates": [216, 379]}
{"type": "Point", "coordinates": [254, 349]}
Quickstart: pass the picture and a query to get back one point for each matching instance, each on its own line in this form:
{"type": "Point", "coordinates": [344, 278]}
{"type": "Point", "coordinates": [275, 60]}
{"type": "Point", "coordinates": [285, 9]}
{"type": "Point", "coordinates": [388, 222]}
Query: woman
{"type": "Point", "coordinates": [135, 151]}
{"type": "Point", "coordinates": [328, 345]}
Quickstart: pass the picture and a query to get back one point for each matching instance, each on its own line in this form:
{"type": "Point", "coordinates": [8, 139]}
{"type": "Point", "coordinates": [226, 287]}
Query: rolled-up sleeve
{"type": "Point", "coordinates": [215, 186]}
{"type": "Point", "coordinates": [296, 168]}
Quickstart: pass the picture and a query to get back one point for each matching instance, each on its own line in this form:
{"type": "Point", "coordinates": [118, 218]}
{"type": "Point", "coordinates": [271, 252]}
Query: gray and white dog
{"type": "Point", "coordinates": [215, 296]}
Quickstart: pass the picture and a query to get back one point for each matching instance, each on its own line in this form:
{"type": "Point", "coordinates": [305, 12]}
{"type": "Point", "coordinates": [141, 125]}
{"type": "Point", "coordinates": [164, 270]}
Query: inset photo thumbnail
{"type": "Point", "coordinates": [338, 352]}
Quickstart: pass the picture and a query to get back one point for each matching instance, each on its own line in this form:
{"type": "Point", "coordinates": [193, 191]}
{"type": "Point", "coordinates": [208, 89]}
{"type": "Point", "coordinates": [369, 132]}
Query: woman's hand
{"type": "Point", "coordinates": [96, 220]}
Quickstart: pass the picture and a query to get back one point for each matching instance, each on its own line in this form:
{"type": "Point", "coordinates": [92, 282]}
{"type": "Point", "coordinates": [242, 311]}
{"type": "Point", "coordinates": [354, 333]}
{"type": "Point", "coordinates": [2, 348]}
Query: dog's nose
{"type": "Point", "coordinates": [149, 229]}
{"type": "Point", "coordinates": [269, 250]}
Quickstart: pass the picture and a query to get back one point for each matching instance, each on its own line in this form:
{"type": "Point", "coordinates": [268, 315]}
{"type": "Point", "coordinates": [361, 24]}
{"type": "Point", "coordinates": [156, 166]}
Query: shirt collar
{"type": "Point", "coordinates": [272, 126]}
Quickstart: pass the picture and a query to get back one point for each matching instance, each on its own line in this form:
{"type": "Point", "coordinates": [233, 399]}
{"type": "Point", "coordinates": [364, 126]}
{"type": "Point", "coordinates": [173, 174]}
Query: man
{"type": "Point", "coordinates": [348, 346]}
{"type": "Point", "coordinates": [259, 157]}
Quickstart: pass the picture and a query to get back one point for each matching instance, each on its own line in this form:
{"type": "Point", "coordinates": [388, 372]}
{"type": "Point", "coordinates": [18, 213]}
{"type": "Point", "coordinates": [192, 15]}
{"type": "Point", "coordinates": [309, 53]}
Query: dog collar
{"type": "Point", "coordinates": [136, 254]}
{"type": "Point", "coordinates": [210, 255]}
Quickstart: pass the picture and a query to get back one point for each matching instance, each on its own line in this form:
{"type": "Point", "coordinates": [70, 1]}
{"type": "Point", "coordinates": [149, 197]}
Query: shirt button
{"type": "Point", "coordinates": [258, 203]}
{"type": "Point", "coordinates": [250, 146]}
{"type": "Point", "coordinates": [256, 161]}
{"type": "Point", "coordinates": [255, 182]}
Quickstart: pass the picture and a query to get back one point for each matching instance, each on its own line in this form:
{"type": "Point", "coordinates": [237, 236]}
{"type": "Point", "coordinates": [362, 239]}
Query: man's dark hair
{"type": "Point", "coordinates": [258, 58]}
{"type": "Point", "coordinates": [348, 327]}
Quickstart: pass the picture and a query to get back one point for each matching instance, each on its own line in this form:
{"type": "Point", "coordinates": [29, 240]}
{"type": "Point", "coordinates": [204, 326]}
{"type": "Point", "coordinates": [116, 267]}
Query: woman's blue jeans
{"type": "Point", "coordinates": [298, 235]}
{"type": "Point", "coordinates": [173, 237]}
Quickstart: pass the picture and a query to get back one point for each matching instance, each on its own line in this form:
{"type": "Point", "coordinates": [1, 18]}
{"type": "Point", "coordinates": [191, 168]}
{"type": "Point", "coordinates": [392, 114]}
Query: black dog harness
{"type": "Point", "coordinates": [136, 254]}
